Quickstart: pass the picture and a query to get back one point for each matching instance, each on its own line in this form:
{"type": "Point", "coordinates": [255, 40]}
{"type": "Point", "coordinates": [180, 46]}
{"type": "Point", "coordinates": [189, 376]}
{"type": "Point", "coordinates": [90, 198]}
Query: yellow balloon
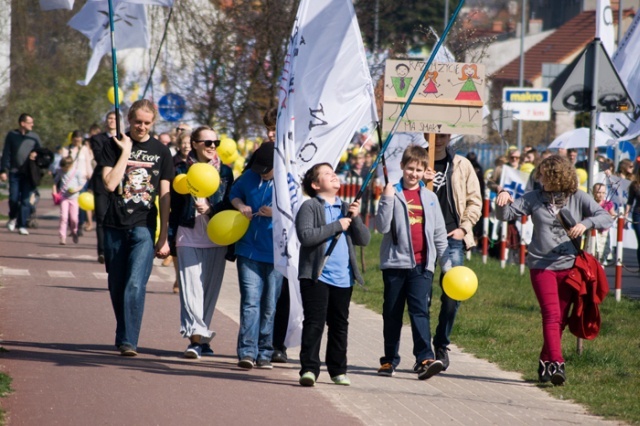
{"type": "Point", "coordinates": [203, 180]}
{"type": "Point", "coordinates": [111, 95]}
{"type": "Point", "coordinates": [227, 227]}
{"type": "Point", "coordinates": [250, 145]}
{"type": "Point", "coordinates": [527, 168]}
{"type": "Point", "coordinates": [355, 151]}
{"type": "Point", "coordinates": [511, 148]}
{"type": "Point", "coordinates": [344, 157]}
{"type": "Point", "coordinates": [241, 144]}
{"type": "Point", "coordinates": [239, 163]}
{"type": "Point", "coordinates": [227, 151]}
{"type": "Point", "coordinates": [460, 283]}
{"type": "Point", "coordinates": [232, 159]}
{"type": "Point", "coordinates": [180, 184]}
{"type": "Point", "coordinates": [583, 188]}
{"type": "Point", "coordinates": [85, 201]}
{"type": "Point", "coordinates": [582, 176]}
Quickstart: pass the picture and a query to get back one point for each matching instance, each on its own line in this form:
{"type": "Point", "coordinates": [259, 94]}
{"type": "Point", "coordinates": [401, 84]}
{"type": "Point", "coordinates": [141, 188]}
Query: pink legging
{"type": "Point", "coordinates": [554, 299]}
{"type": "Point", "coordinates": [68, 215]}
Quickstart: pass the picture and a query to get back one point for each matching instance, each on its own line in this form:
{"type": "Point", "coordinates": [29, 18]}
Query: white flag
{"type": "Point", "coordinates": [514, 181]}
{"type": "Point", "coordinates": [56, 4]}
{"type": "Point", "coordinates": [627, 62]}
{"type": "Point", "coordinates": [326, 94]}
{"type": "Point", "coordinates": [604, 25]}
{"type": "Point", "coordinates": [130, 28]}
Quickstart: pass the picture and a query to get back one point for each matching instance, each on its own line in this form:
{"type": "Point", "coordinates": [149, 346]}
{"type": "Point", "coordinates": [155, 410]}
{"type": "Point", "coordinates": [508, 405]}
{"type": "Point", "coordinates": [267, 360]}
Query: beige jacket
{"type": "Point", "coordinates": [467, 197]}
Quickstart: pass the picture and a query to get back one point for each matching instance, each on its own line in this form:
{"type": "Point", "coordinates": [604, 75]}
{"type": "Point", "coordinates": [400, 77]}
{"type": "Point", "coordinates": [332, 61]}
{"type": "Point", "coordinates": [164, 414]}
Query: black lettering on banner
{"type": "Point", "coordinates": [314, 113]}
{"type": "Point", "coordinates": [307, 152]}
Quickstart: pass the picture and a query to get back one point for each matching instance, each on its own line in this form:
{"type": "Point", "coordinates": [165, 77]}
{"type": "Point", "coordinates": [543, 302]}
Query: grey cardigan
{"type": "Point", "coordinates": [551, 247]}
{"type": "Point", "coordinates": [400, 256]}
{"type": "Point", "coordinates": [313, 233]}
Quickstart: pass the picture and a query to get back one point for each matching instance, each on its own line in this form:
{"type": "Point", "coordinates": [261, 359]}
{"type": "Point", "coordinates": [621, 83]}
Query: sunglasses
{"type": "Point", "coordinates": [208, 143]}
{"type": "Point", "coordinates": [180, 129]}
{"type": "Point", "coordinates": [515, 158]}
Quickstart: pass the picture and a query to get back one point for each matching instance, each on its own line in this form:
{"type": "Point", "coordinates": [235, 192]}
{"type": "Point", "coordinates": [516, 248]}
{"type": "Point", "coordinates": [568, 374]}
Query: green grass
{"type": "Point", "coordinates": [5, 388]}
{"type": "Point", "coordinates": [502, 324]}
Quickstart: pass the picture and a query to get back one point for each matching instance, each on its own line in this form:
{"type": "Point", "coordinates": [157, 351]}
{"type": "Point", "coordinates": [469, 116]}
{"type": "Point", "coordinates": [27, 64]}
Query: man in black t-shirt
{"type": "Point", "coordinates": [136, 169]}
{"type": "Point", "coordinates": [456, 184]}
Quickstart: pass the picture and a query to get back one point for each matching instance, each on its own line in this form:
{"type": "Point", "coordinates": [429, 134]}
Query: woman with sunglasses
{"type": "Point", "coordinates": [200, 261]}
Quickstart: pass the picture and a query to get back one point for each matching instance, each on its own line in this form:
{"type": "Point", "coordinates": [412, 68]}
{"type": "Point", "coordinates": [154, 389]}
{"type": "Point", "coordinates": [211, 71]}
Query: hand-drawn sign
{"type": "Point", "coordinates": [449, 99]}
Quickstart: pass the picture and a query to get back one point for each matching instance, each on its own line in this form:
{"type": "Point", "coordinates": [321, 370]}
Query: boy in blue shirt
{"type": "Point", "coordinates": [326, 287]}
{"type": "Point", "coordinates": [407, 261]}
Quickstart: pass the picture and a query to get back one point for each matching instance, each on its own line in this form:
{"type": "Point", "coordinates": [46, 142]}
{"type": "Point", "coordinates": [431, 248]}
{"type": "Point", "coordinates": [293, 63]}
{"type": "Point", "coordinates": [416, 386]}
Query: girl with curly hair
{"type": "Point", "coordinates": [552, 253]}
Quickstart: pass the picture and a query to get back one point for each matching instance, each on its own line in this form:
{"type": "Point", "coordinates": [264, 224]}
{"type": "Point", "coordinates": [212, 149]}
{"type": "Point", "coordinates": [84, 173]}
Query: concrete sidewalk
{"type": "Point", "coordinates": [57, 324]}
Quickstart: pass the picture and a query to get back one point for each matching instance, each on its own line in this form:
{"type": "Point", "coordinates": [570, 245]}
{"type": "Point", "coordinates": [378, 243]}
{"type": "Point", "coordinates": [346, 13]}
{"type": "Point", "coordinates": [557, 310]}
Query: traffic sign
{"type": "Point", "coordinates": [527, 104]}
{"type": "Point", "coordinates": [627, 151]}
{"type": "Point", "coordinates": [172, 107]}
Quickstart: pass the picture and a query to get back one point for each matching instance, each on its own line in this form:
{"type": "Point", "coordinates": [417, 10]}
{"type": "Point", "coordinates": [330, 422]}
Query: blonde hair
{"type": "Point", "coordinates": [142, 104]}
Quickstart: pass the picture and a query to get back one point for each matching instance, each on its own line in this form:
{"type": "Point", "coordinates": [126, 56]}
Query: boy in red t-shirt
{"type": "Point", "coordinates": [411, 220]}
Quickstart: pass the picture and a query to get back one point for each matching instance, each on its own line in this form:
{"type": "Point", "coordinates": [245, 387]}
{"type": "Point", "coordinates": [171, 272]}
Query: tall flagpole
{"type": "Point", "coordinates": [114, 67]}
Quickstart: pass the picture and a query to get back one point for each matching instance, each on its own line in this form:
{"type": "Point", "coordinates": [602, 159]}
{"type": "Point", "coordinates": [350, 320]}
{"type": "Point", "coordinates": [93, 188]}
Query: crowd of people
{"type": "Point", "coordinates": [138, 216]}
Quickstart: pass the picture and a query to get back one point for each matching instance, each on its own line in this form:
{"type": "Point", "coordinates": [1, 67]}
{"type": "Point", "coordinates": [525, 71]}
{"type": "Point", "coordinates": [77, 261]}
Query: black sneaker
{"type": "Point", "coordinates": [442, 355]}
{"type": "Point", "coordinates": [246, 363]}
{"type": "Point", "coordinates": [544, 375]}
{"type": "Point", "coordinates": [430, 368]}
{"type": "Point", "coordinates": [279, 357]}
{"type": "Point", "coordinates": [264, 364]}
{"type": "Point", "coordinates": [386, 370]}
{"type": "Point", "coordinates": [206, 349]}
{"type": "Point", "coordinates": [194, 351]}
{"type": "Point", "coordinates": [556, 370]}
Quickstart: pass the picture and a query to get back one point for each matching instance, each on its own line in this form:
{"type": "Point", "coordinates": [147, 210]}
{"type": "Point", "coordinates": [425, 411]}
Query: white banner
{"type": "Point", "coordinates": [627, 61]}
{"type": "Point", "coordinates": [604, 25]}
{"type": "Point", "coordinates": [130, 28]}
{"type": "Point", "coordinates": [326, 94]}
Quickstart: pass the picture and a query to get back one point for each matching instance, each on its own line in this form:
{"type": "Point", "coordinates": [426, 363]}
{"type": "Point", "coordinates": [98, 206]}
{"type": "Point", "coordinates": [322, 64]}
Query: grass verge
{"type": "Point", "coordinates": [5, 388]}
{"type": "Point", "coordinates": [502, 324]}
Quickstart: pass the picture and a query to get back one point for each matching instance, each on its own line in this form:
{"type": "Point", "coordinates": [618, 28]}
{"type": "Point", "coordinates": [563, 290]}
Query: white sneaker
{"type": "Point", "coordinates": [11, 225]}
{"type": "Point", "coordinates": [23, 231]}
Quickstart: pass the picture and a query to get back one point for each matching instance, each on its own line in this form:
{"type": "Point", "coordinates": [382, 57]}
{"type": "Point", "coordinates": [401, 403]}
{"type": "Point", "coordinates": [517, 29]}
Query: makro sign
{"type": "Point", "coordinates": [527, 104]}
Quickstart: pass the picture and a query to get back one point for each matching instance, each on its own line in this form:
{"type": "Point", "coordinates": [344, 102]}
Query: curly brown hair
{"type": "Point", "coordinates": [557, 174]}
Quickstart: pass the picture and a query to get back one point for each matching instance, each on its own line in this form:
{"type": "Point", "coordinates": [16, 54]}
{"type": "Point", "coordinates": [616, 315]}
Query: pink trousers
{"type": "Point", "coordinates": [554, 299]}
{"type": "Point", "coordinates": [69, 211]}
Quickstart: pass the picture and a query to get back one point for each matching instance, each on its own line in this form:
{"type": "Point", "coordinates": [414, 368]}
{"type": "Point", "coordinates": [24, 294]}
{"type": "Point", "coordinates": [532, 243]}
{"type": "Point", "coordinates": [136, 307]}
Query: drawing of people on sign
{"type": "Point", "coordinates": [468, 92]}
{"type": "Point", "coordinates": [401, 83]}
{"type": "Point", "coordinates": [431, 84]}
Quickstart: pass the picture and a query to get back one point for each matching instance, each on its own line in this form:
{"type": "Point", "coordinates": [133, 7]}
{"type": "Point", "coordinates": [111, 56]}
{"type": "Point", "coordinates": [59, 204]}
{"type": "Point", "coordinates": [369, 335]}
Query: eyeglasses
{"type": "Point", "coordinates": [180, 129]}
{"type": "Point", "coordinates": [514, 158]}
{"type": "Point", "coordinates": [208, 143]}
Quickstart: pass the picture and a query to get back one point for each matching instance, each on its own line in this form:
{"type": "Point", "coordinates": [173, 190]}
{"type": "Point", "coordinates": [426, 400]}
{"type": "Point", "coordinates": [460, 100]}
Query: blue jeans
{"type": "Point", "coordinates": [449, 307]}
{"type": "Point", "coordinates": [260, 286]}
{"type": "Point", "coordinates": [20, 190]}
{"type": "Point", "coordinates": [635, 217]}
{"type": "Point", "coordinates": [414, 287]}
{"type": "Point", "coordinates": [128, 257]}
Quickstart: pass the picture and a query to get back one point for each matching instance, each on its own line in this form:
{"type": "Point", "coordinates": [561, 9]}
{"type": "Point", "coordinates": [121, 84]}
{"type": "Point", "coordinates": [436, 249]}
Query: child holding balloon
{"type": "Point", "coordinates": [411, 220]}
{"type": "Point", "coordinates": [68, 184]}
{"type": "Point", "coordinates": [201, 262]}
{"type": "Point", "coordinates": [326, 283]}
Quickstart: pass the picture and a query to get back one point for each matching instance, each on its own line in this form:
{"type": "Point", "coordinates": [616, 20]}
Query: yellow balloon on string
{"type": "Point", "coordinates": [111, 95]}
{"type": "Point", "coordinates": [460, 283]}
{"type": "Point", "coordinates": [180, 184]}
{"type": "Point", "coordinates": [203, 180]}
{"type": "Point", "coordinates": [227, 227]}
{"type": "Point", "coordinates": [86, 201]}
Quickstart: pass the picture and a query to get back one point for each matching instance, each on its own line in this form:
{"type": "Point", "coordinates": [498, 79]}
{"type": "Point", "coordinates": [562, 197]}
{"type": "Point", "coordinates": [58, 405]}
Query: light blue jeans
{"type": "Point", "coordinates": [449, 307]}
{"type": "Point", "coordinates": [128, 257]}
{"type": "Point", "coordinates": [260, 286]}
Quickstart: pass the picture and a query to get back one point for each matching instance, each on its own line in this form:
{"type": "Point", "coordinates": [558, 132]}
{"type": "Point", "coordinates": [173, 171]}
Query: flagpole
{"type": "Point", "coordinates": [164, 36]}
{"type": "Point", "coordinates": [114, 67]}
{"type": "Point", "coordinates": [400, 116]}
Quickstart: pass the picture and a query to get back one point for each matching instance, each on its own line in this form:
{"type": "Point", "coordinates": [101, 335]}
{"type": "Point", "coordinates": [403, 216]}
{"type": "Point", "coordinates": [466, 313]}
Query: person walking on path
{"type": "Point", "coordinates": [326, 285]}
{"type": "Point", "coordinates": [136, 169]}
{"type": "Point", "coordinates": [19, 146]}
{"type": "Point", "coordinates": [260, 283]}
{"type": "Point", "coordinates": [68, 185]}
{"type": "Point", "coordinates": [407, 259]}
{"type": "Point", "coordinates": [551, 254]}
{"type": "Point", "coordinates": [201, 262]}
{"type": "Point", "coordinates": [100, 194]}
{"type": "Point", "coordinates": [458, 190]}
